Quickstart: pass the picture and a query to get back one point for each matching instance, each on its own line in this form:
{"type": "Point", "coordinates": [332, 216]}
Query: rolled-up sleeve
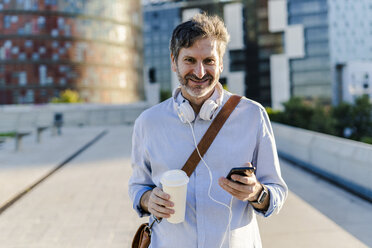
{"type": "Point", "coordinates": [268, 168]}
{"type": "Point", "coordinates": [140, 181]}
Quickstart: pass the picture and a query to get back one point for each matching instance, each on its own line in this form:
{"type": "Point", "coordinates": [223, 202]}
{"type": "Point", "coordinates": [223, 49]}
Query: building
{"type": "Point", "coordinates": [94, 47]}
{"type": "Point", "coordinates": [159, 20]}
{"type": "Point", "coordinates": [350, 38]}
{"type": "Point", "coordinates": [321, 37]}
{"type": "Point", "coordinates": [260, 44]}
{"type": "Point", "coordinates": [355, 78]}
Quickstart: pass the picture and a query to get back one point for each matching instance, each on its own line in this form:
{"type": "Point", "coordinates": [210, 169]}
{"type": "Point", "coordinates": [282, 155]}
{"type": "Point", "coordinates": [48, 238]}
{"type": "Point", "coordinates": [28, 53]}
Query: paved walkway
{"type": "Point", "coordinates": [317, 214]}
{"type": "Point", "coordinates": [85, 203]}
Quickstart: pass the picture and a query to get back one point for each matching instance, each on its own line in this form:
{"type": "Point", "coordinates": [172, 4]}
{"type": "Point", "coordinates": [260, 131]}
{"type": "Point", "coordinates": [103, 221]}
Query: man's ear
{"type": "Point", "coordinates": [173, 63]}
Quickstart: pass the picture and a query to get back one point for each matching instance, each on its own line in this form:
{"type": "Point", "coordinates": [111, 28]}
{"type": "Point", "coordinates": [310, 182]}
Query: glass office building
{"type": "Point", "coordinates": [159, 22]}
{"type": "Point", "coordinates": [260, 45]}
{"type": "Point", "coordinates": [311, 75]}
{"type": "Point", "coordinates": [336, 33]}
{"type": "Point", "coordinates": [94, 47]}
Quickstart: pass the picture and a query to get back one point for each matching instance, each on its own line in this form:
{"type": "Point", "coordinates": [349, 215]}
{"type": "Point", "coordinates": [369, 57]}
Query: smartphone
{"type": "Point", "coordinates": [242, 171]}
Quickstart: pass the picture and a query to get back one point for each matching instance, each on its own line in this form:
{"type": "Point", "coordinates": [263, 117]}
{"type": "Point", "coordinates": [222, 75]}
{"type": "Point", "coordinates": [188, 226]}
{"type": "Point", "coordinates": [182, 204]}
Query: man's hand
{"type": "Point", "coordinates": [249, 190]}
{"type": "Point", "coordinates": [157, 203]}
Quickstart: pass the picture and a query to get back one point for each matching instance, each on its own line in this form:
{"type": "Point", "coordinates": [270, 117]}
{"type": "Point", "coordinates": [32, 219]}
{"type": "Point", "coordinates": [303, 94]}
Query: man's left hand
{"type": "Point", "coordinates": [249, 190]}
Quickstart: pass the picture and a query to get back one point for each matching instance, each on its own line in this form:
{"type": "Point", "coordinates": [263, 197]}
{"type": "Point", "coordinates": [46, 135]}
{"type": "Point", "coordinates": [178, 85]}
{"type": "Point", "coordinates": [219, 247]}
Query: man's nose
{"type": "Point", "coordinates": [199, 71]}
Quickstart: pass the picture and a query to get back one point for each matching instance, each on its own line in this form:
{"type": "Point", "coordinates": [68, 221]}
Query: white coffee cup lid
{"type": "Point", "coordinates": [174, 178]}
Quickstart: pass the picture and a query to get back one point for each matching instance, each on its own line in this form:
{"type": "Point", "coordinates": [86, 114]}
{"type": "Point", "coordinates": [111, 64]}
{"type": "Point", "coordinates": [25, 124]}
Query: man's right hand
{"type": "Point", "coordinates": [157, 202]}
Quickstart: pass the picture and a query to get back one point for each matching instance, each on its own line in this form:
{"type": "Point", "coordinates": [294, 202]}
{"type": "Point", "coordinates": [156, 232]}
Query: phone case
{"type": "Point", "coordinates": [242, 171]}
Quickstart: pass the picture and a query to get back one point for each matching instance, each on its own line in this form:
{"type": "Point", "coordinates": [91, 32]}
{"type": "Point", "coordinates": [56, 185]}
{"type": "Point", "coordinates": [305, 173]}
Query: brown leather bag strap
{"type": "Point", "coordinates": [211, 133]}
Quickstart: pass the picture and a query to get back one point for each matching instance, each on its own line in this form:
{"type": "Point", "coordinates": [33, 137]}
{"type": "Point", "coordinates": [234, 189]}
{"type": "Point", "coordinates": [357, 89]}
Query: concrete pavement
{"type": "Point", "coordinates": [85, 203]}
{"type": "Point", "coordinates": [317, 214]}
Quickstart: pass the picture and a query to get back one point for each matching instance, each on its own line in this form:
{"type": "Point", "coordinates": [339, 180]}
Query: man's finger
{"type": "Point", "coordinates": [160, 208]}
{"type": "Point", "coordinates": [244, 179]}
{"type": "Point", "coordinates": [243, 188]}
{"type": "Point", "coordinates": [160, 193]}
{"type": "Point", "coordinates": [160, 201]}
{"type": "Point", "coordinates": [159, 214]}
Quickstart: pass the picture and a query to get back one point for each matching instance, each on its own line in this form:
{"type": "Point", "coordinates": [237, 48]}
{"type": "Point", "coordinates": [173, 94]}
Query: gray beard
{"type": "Point", "coordinates": [190, 91]}
{"type": "Point", "coordinates": [204, 92]}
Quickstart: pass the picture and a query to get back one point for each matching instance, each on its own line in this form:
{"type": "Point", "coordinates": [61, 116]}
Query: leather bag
{"type": "Point", "coordinates": [142, 238]}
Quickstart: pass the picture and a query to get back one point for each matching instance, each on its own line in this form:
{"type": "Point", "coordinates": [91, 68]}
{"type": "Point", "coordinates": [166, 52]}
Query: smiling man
{"type": "Point", "coordinates": [219, 212]}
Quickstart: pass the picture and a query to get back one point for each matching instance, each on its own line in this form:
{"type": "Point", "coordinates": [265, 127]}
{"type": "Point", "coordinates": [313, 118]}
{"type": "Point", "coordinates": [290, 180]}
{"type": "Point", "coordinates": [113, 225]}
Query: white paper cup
{"type": "Point", "coordinates": [175, 184]}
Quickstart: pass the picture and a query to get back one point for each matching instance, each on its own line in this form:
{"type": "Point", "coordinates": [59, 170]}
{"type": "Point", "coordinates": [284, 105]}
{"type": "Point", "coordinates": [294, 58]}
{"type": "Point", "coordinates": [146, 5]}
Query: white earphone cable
{"type": "Point", "coordinates": [228, 228]}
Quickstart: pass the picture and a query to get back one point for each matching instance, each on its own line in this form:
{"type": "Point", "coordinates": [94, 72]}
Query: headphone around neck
{"type": "Point", "coordinates": [207, 112]}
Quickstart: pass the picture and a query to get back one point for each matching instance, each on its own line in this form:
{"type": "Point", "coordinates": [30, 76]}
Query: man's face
{"type": "Point", "coordinates": [198, 69]}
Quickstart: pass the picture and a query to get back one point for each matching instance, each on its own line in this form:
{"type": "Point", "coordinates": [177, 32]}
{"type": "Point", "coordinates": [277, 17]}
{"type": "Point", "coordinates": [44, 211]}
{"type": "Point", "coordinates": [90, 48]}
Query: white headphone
{"type": "Point", "coordinates": [207, 112]}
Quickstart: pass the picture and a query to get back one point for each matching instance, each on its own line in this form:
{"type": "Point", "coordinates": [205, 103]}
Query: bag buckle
{"type": "Point", "coordinates": [149, 227]}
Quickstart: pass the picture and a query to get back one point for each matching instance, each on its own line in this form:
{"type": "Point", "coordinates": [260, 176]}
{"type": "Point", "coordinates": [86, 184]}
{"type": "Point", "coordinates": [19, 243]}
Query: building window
{"type": "Point", "coordinates": [22, 78]}
{"type": "Point", "coordinates": [15, 50]}
{"type": "Point", "coordinates": [29, 97]}
{"type": "Point", "coordinates": [41, 22]}
{"type": "Point", "coordinates": [62, 81]}
{"type": "Point", "coordinates": [42, 75]}
{"type": "Point", "coordinates": [7, 22]}
{"type": "Point", "coordinates": [35, 56]}
{"type": "Point", "coordinates": [22, 56]}
{"type": "Point", "coordinates": [42, 50]}
{"type": "Point", "coordinates": [237, 60]}
{"type": "Point", "coordinates": [28, 43]}
{"type": "Point", "coordinates": [308, 64]}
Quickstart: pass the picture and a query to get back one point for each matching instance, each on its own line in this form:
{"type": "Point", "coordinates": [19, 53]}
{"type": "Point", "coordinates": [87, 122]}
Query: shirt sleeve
{"type": "Point", "coordinates": [267, 164]}
{"type": "Point", "coordinates": [140, 181]}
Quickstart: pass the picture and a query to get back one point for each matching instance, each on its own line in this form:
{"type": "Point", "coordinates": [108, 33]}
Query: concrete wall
{"type": "Point", "coordinates": [27, 117]}
{"type": "Point", "coordinates": [345, 162]}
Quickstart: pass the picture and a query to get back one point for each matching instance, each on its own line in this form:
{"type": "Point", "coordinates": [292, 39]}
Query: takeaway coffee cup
{"type": "Point", "coordinates": [175, 184]}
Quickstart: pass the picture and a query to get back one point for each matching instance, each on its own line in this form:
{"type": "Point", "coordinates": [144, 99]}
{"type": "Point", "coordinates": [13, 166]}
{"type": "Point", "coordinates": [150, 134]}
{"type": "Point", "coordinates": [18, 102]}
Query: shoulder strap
{"type": "Point", "coordinates": [211, 133]}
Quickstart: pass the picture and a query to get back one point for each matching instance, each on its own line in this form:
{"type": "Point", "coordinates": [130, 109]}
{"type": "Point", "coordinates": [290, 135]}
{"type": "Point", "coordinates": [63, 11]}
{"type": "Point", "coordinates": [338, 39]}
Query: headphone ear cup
{"type": "Point", "coordinates": [208, 110]}
{"type": "Point", "coordinates": [185, 112]}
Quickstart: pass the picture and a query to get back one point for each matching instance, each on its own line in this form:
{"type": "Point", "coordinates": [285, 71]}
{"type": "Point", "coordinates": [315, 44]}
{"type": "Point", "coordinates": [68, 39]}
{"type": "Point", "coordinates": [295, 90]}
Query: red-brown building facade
{"type": "Point", "coordinates": [92, 46]}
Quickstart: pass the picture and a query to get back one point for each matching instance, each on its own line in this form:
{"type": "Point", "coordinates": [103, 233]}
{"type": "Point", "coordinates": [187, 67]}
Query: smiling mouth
{"type": "Point", "coordinates": [199, 82]}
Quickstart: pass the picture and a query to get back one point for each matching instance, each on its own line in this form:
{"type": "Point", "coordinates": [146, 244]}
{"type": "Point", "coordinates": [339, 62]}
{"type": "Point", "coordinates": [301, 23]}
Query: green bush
{"type": "Point", "coordinates": [342, 114]}
{"type": "Point", "coordinates": [366, 139]}
{"type": "Point", "coordinates": [344, 120]}
{"type": "Point", "coordinates": [165, 94]}
{"type": "Point", "coordinates": [274, 115]}
{"type": "Point", "coordinates": [67, 96]}
{"type": "Point", "coordinates": [322, 120]}
{"type": "Point", "coordinates": [297, 113]}
{"type": "Point", "coordinates": [362, 118]}
{"type": "Point", "coordinates": [8, 134]}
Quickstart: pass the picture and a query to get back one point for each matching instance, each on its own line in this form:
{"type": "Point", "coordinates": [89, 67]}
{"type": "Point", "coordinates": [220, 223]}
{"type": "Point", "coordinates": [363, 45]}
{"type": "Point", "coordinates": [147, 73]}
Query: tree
{"type": "Point", "coordinates": [342, 114]}
{"type": "Point", "coordinates": [362, 118]}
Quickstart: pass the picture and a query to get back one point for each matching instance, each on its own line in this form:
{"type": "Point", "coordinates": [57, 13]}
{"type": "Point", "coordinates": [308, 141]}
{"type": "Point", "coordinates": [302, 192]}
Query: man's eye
{"type": "Point", "coordinates": [190, 60]}
{"type": "Point", "coordinates": [209, 61]}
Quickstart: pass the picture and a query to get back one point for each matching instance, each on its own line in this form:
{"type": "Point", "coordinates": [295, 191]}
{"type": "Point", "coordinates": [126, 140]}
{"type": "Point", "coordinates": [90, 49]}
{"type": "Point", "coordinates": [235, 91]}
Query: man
{"type": "Point", "coordinates": [163, 140]}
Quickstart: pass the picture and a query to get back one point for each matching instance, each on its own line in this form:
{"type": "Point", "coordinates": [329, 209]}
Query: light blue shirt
{"type": "Point", "coordinates": [162, 142]}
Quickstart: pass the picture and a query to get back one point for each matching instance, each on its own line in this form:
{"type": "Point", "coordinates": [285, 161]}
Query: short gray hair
{"type": "Point", "coordinates": [199, 27]}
